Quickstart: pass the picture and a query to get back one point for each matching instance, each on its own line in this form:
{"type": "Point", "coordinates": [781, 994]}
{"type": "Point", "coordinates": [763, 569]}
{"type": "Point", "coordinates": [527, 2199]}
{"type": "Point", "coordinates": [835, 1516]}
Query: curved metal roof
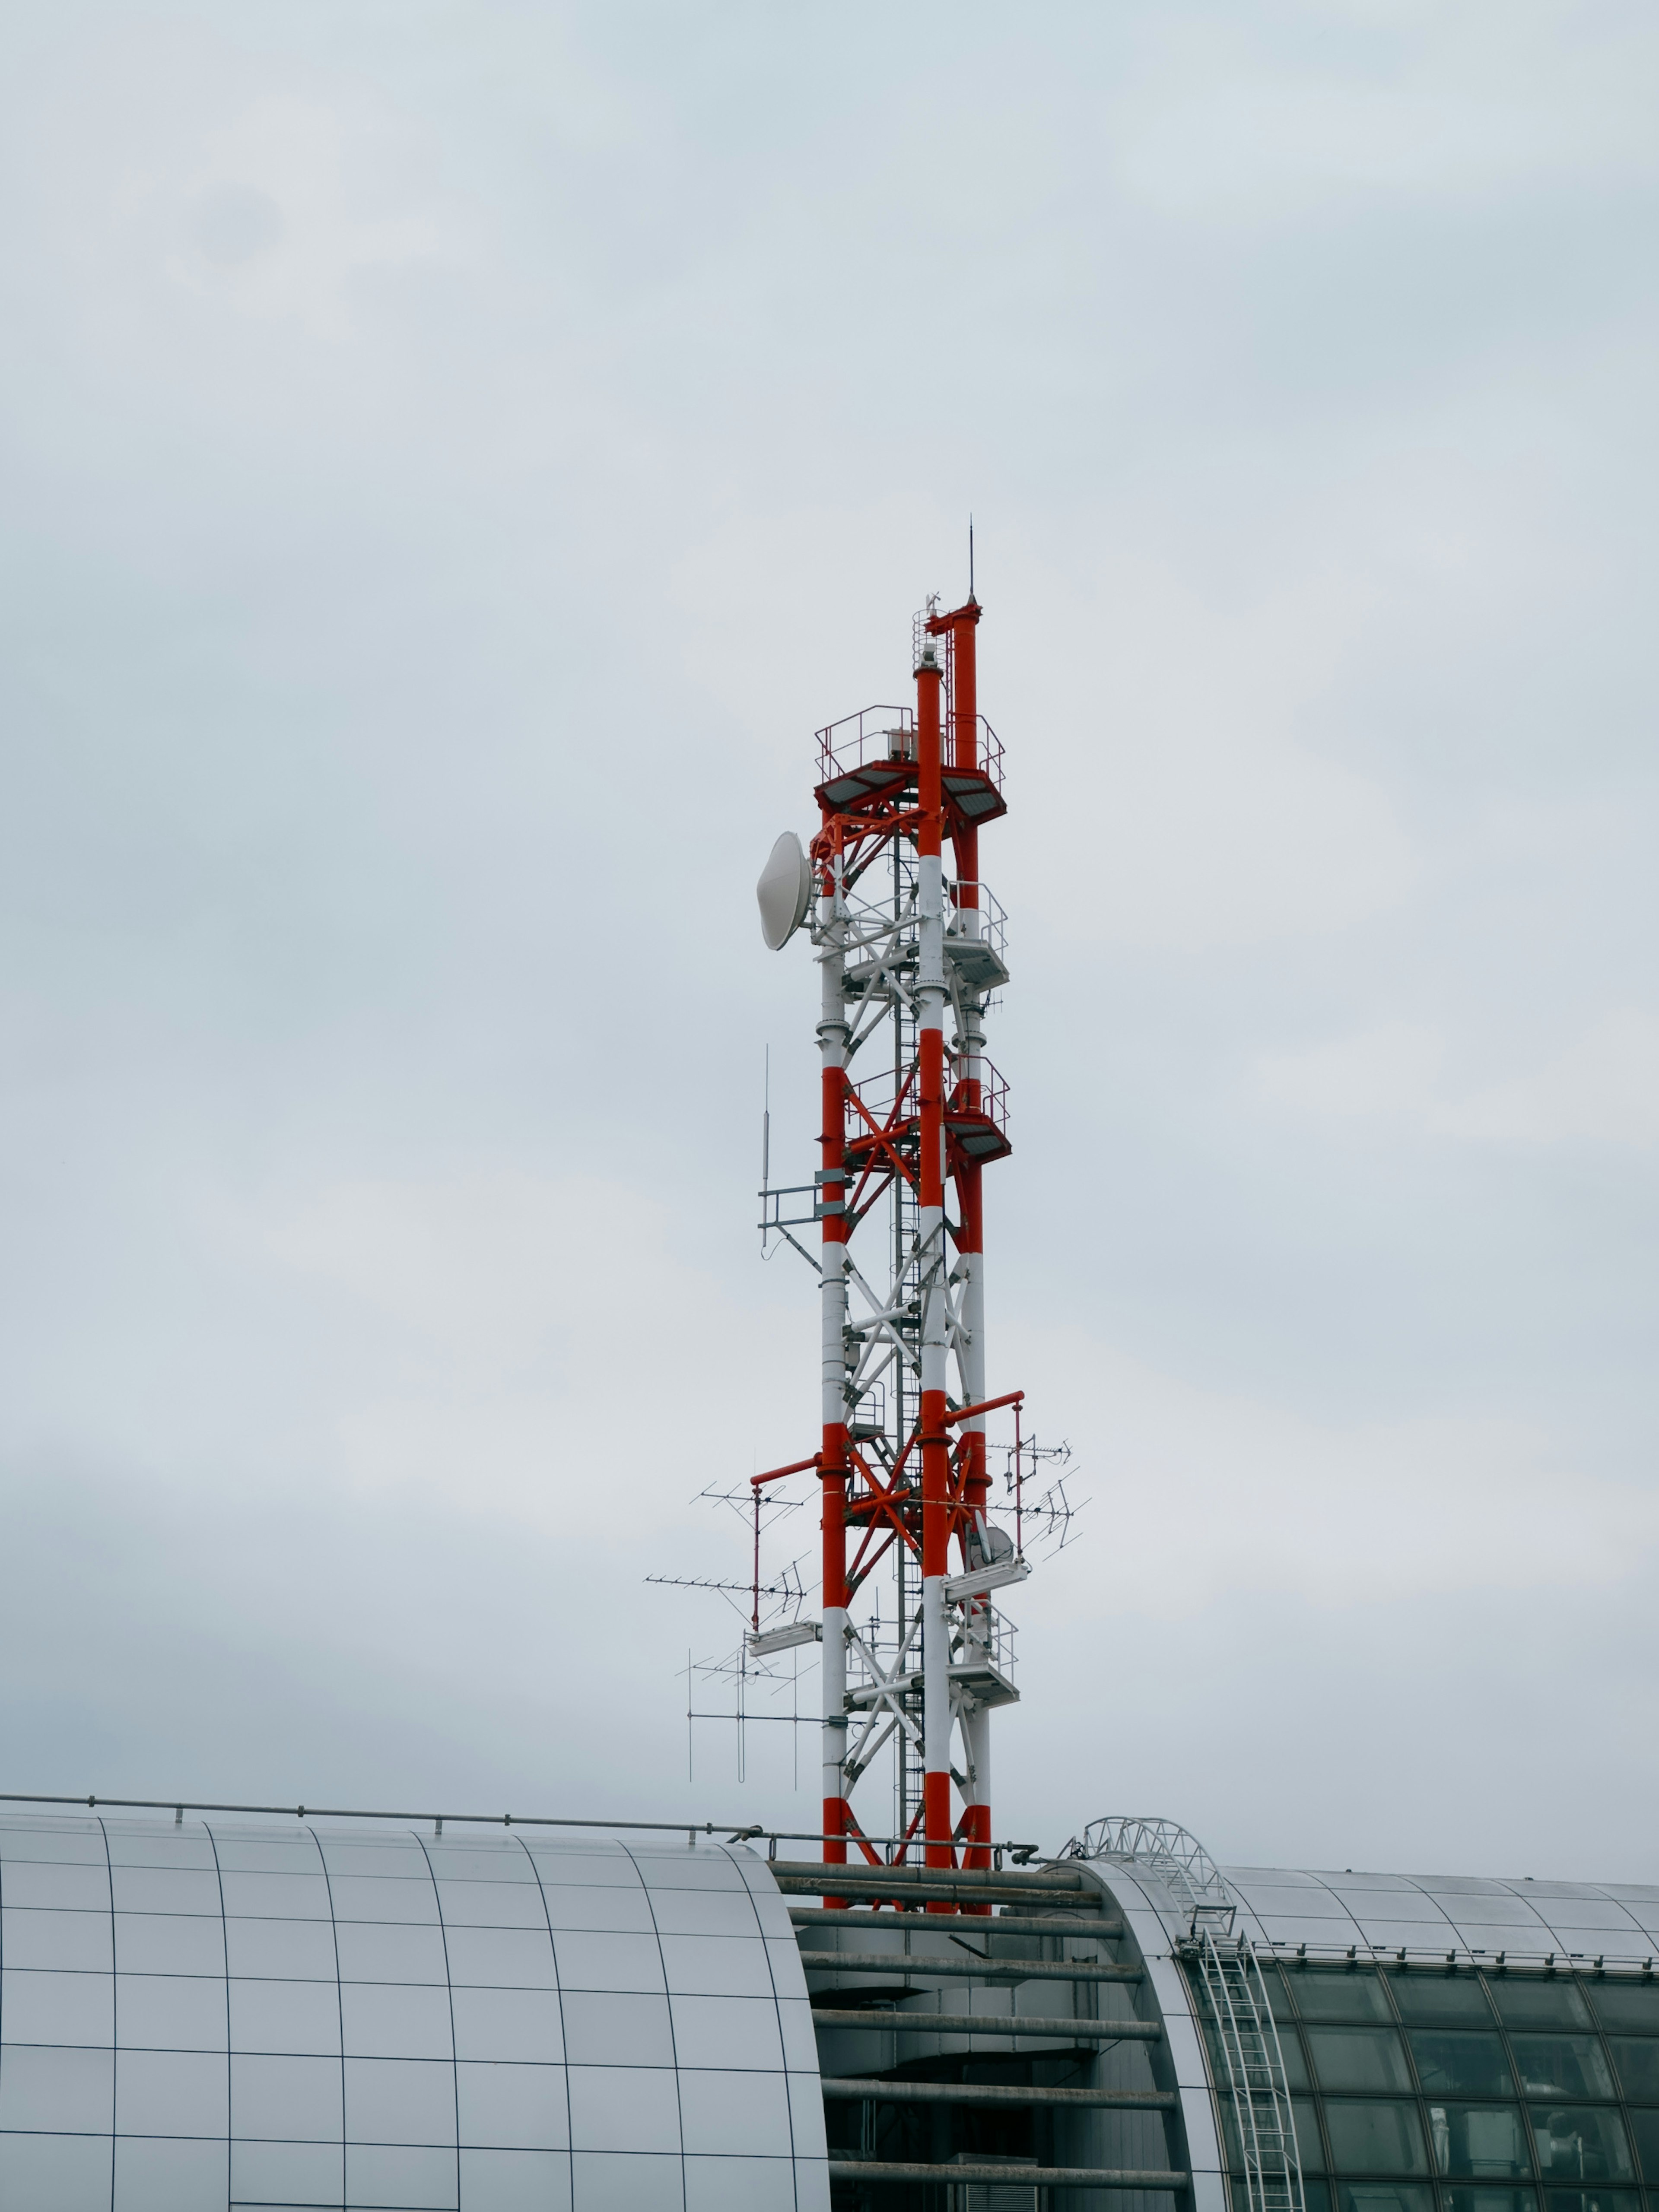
{"type": "Point", "coordinates": [200, 2013]}
{"type": "Point", "coordinates": [1479, 1915]}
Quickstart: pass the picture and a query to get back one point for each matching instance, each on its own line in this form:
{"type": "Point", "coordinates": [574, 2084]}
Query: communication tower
{"type": "Point", "coordinates": [911, 948]}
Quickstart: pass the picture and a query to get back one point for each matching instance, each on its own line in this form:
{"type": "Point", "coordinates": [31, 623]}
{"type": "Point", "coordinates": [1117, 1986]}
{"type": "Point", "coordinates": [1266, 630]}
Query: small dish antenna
{"type": "Point", "coordinates": [784, 891]}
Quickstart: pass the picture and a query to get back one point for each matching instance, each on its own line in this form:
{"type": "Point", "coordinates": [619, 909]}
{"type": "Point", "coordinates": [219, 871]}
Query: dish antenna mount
{"type": "Point", "coordinates": [784, 891]}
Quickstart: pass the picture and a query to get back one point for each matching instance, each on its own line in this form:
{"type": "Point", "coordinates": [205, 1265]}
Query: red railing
{"type": "Point", "coordinates": [878, 1093]}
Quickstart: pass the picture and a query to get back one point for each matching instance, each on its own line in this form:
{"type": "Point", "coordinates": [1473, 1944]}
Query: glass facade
{"type": "Point", "coordinates": [199, 2016]}
{"type": "Point", "coordinates": [1461, 2089]}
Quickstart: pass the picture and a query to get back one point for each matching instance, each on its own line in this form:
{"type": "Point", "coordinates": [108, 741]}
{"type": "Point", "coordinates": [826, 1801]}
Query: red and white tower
{"type": "Point", "coordinates": [910, 947]}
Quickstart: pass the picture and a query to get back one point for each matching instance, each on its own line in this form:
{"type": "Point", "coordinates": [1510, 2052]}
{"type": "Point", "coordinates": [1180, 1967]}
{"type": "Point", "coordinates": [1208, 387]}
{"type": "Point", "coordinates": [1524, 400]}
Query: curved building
{"type": "Point", "coordinates": [1147, 2030]}
{"type": "Point", "coordinates": [193, 2016]}
{"type": "Point", "coordinates": [197, 2015]}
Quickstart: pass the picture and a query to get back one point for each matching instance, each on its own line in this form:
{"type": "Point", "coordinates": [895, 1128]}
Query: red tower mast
{"type": "Point", "coordinates": [908, 955]}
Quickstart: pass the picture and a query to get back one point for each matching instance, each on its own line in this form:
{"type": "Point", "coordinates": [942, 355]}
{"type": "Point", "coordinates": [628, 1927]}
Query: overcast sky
{"type": "Point", "coordinates": [453, 457]}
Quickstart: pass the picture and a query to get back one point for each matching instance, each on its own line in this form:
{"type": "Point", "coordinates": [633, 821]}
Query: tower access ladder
{"type": "Point", "coordinates": [1251, 2067]}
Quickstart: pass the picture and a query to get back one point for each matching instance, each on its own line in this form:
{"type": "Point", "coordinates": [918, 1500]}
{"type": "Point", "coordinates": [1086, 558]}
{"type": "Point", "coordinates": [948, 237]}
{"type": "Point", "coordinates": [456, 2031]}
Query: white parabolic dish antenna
{"type": "Point", "coordinates": [784, 891]}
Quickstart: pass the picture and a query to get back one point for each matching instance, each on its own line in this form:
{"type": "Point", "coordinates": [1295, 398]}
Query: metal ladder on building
{"type": "Point", "coordinates": [1249, 2057]}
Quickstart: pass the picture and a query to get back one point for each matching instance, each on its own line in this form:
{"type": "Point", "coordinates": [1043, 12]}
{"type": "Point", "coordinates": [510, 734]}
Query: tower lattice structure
{"type": "Point", "coordinates": [909, 952]}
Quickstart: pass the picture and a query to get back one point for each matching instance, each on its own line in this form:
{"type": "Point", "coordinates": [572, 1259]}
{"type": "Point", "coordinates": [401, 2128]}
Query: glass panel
{"type": "Point", "coordinates": [1375, 2138]}
{"type": "Point", "coordinates": [1265, 2122]}
{"type": "Point", "coordinates": [1358, 2059]}
{"type": "Point", "coordinates": [1383, 2197]}
{"type": "Point", "coordinates": [1562, 2066]}
{"type": "Point", "coordinates": [1637, 2067]}
{"type": "Point", "coordinates": [1644, 2133]}
{"type": "Point", "coordinates": [1592, 2200]}
{"type": "Point", "coordinates": [1486, 2142]}
{"type": "Point", "coordinates": [1546, 2003]}
{"type": "Point", "coordinates": [1633, 2006]}
{"type": "Point", "coordinates": [1232, 2154]}
{"type": "Point", "coordinates": [1349, 1993]}
{"type": "Point", "coordinates": [1317, 2195]}
{"type": "Point", "coordinates": [1461, 2065]}
{"type": "Point", "coordinates": [1296, 2061]}
{"type": "Point", "coordinates": [1432, 1998]}
{"type": "Point", "coordinates": [1580, 2144]}
{"type": "Point", "coordinates": [1310, 2144]}
{"type": "Point", "coordinates": [1489, 2200]}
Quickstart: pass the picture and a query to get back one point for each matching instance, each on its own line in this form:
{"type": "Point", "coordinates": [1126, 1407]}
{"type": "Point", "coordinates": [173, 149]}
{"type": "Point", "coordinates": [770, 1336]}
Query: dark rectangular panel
{"type": "Point", "coordinates": [1480, 2142]}
{"type": "Point", "coordinates": [1384, 2197]}
{"type": "Point", "coordinates": [1581, 2143]}
{"type": "Point", "coordinates": [1479, 2199]}
{"type": "Point", "coordinates": [1545, 2003]}
{"type": "Point", "coordinates": [1637, 2064]}
{"type": "Point", "coordinates": [1343, 1993]}
{"type": "Point", "coordinates": [1375, 2137]}
{"type": "Point", "coordinates": [1562, 2066]}
{"type": "Point", "coordinates": [1644, 2140]}
{"type": "Point", "coordinates": [1358, 2059]}
{"type": "Point", "coordinates": [1432, 1998]}
{"type": "Point", "coordinates": [1631, 2006]}
{"type": "Point", "coordinates": [1459, 2062]}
